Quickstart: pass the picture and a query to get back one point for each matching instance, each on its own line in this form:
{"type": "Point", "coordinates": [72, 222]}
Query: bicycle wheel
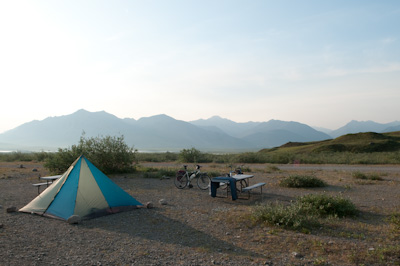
{"type": "Point", "coordinates": [181, 181]}
{"type": "Point", "coordinates": [203, 182]}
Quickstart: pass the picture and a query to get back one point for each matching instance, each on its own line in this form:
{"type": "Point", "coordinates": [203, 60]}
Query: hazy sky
{"type": "Point", "coordinates": [323, 63]}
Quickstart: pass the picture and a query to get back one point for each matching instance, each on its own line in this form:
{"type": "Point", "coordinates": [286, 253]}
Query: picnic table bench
{"type": "Point", "coordinates": [49, 181]}
{"type": "Point", "coordinates": [38, 185]}
{"type": "Point", "coordinates": [249, 188]}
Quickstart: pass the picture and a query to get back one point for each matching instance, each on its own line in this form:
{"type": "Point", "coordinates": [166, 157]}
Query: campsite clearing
{"type": "Point", "coordinates": [196, 229]}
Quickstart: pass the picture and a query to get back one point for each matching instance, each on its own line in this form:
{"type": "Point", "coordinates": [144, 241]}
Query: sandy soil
{"type": "Point", "coordinates": [196, 229]}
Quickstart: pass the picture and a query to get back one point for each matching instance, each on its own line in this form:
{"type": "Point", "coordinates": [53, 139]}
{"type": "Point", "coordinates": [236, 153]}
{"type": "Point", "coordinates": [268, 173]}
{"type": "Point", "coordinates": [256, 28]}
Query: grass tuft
{"type": "Point", "coordinates": [302, 181]}
{"type": "Point", "coordinates": [360, 175]}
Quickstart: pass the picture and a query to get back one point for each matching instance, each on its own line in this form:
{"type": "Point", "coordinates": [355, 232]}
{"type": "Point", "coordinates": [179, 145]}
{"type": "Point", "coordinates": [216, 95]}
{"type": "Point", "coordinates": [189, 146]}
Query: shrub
{"type": "Point", "coordinates": [190, 155]}
{"type": "Point", "coordinates": [158, 173]}
{"type": "Point", "coordinates": [394, 219]}
{"type": "Point", "coordinates": [359, 175]}
{"type": "Point", "coordinates": [272, 168]}
{"type": "Point", "coordinates": [293, 216]}
{"type": "Point", "coordinates": [212, 174]}
{"type": "Point", "coordinates": [302, 181]}
{"type": "Point", "coordinates": [156, 157]}
{"type": "Point", "coordinates": [109, 154]}
{"type": "Point", "coordinates": [327, 205]}
{"type": "Point", "coordinates": [305, 212]}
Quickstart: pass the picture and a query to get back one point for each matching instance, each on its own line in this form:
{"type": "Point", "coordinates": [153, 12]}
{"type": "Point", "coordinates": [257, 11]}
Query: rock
{"type": "Point", "coordinates": [163, 202]}
{"type": "Point", "coordinates": [11, 209]}
{"type": "Point", "coordinates": [74, 219]}
{"type": "Point", "coordinates": [297, 255]}
{"type": "Point", "coordinates": [34, 170]}
{"type": "Point", "coordinates": [149, 205]}
{"type": "Point", "coordinates": [1, 225]}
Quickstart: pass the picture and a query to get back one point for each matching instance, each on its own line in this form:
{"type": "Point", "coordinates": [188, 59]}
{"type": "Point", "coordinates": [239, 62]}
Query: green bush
{"type": "Point", "coordinates": [109, 154]}
{"type": "Point", "coordinates": [190, 156]}
{"type": "Point", "coordinates": [294, 216]}
{"type": "Point", "coordinates": [327, 205]}
{"type": "Point", "coordinates": [304, 213]}
{"type": "Point", "coordinates": [302, 181]}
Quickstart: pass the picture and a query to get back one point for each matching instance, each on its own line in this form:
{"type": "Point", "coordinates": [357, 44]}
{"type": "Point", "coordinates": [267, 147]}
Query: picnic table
{"type": "Point", "coordinates": [49, 181]}
{"type": "Point", "coordinates": [239, 182]}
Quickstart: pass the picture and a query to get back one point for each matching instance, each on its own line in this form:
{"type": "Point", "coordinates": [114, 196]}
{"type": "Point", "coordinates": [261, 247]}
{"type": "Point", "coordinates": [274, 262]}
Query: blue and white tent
{"type": "Point", "coordinates": [82, 190]}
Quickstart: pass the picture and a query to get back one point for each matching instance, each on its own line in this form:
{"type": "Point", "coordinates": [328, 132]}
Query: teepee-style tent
{"type": "Point", "coordinates": [82, 190]}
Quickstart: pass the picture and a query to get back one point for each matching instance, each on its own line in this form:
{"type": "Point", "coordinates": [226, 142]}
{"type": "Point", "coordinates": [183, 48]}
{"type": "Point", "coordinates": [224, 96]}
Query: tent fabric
{"type": "Point", "coordinates": [82, 190]}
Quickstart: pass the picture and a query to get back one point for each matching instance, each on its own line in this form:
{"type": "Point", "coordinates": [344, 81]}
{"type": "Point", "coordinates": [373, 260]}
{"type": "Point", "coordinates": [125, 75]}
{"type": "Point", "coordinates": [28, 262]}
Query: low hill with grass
{"type": "Point", "coordinates": [356, 148]}
{"type": "Point", "coordinates": [356, 143]}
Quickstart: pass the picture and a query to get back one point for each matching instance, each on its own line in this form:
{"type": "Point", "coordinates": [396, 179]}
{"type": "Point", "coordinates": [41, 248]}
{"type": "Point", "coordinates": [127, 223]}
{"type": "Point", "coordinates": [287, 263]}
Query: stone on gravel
{"type": "Point", "coordinates": [163, 202]}
{"type": "Point", "coordinates": [74, 219]}
{"type": "Point", "coordinates": [11, 209]}
{"type": "Point", "coordinates": [149, 205]}
{"type": "Point", "coordinates": [297, 255]}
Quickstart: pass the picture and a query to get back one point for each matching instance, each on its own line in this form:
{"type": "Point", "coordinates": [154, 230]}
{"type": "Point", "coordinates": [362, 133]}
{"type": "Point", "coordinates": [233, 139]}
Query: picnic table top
{"type": "Point", "coordinates": [53, 177]}
{"type": "Point", "coordinates": [242, 176]}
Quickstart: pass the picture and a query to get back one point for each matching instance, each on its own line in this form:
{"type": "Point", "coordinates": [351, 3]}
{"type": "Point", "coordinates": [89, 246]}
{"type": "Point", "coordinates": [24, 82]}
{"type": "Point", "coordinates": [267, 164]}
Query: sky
{"type": "Point", "coordinates": [321, 63]}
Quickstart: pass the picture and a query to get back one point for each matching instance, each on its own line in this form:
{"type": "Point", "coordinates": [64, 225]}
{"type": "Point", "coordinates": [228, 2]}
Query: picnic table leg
{"type": "Point", "coordinates": [233, 189]}
{"type": "Point", "coordinates": [214, 186]}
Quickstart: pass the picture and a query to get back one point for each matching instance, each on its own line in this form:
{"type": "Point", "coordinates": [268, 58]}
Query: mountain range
{"type": "Point", "coordinates": [164, 133]}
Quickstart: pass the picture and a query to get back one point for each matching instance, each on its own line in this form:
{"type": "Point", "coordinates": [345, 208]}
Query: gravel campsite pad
{"type": "Point", "coordinates": [191, 228]}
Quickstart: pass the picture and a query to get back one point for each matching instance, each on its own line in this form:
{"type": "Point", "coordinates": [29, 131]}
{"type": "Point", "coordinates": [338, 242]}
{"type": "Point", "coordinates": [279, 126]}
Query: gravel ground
{"type": "Point", "coordinates": [192, 229]}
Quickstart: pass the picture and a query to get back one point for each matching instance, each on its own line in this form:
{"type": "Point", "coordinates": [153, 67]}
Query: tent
{"type": "Point", "coordinates": [82, 190]}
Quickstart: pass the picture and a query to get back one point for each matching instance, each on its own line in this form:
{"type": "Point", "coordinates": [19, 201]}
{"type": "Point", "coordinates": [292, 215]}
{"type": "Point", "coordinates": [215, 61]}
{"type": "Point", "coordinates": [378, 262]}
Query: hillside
{"type": "Point", "coordinates": [356, 143]}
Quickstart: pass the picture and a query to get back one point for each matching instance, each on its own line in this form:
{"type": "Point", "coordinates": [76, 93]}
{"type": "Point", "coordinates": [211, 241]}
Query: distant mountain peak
{"type": "Point", "coordinates": [217, 117]}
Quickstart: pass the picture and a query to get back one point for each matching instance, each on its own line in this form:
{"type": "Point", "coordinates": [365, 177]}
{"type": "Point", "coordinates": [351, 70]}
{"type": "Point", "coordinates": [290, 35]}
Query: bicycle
{"type": "Point", "coordinates": [183, 178]}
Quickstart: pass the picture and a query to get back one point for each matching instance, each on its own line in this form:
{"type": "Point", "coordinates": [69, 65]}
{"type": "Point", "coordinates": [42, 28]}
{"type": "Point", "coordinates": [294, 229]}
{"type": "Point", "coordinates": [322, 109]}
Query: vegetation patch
{"type": "Point", "coordinates": [326, 205]}
{"type": "Point", "coordinates": [109, 154]}
{"type": "Point", "coordinates": [294, 216]}
{"type": "Point", "coordinates": [272, 169]}
{"type": "Point", "coordinates": [305, 213]}
{"type": "Point", "coordinates": [149, 172]}
{"type": "Point", "coordinates": [394, 220]}
{"type": "Point", "coordinates": [302, 181]}
{"type": "Point", "coordinates": [360, 175]}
